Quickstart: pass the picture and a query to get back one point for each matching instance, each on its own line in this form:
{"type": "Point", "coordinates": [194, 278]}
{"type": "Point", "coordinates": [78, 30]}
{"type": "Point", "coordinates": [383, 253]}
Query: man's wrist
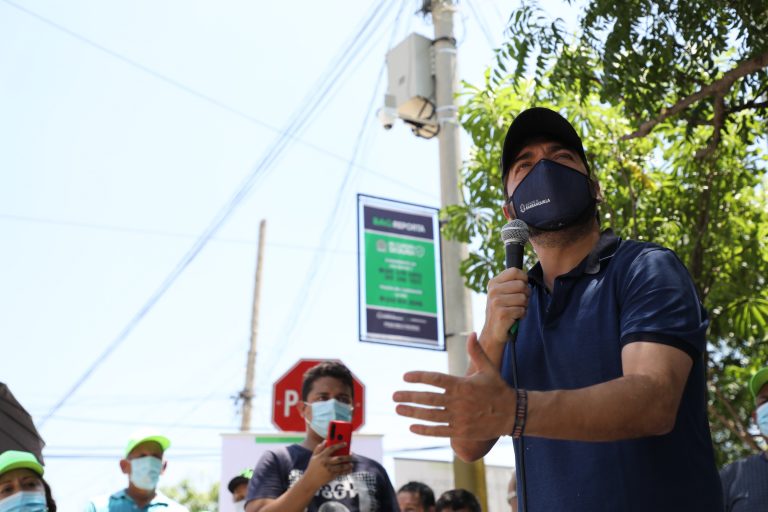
{"type": "Point", "coordinates": [487, 340]}
{"type": "Point", "coordinates": [521, 413]}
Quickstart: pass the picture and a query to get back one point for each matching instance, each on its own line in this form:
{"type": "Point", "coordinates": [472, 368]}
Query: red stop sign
{"type": "Point", "coordinates": [286, 396]}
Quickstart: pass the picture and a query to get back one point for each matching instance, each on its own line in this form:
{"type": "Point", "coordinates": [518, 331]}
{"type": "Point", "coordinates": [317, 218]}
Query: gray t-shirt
{"type": "Point", "coordinates": [745, 484]}
{"type": "Point", "coordinates": [366, 489]}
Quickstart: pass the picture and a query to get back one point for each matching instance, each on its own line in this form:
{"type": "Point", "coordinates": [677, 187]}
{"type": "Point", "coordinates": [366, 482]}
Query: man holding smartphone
{"type": "Point", "coordinates": [312, 475]}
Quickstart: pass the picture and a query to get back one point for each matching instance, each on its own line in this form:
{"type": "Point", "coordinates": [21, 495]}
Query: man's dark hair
{"type": "Point", "coordinates": [333, 369]}
{"type": "Point", "coordinates": [423, 491]}
{"type": "Point", "coordinates": [456, 499]}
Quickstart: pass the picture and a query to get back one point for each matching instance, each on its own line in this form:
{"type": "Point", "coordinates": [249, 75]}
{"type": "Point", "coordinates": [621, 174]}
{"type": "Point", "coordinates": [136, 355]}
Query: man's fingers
{"type": "Point", "coordinates": [420, 397]}
{"type": "Point", "coordinates": [511, 274]}
{"type": "Point", "coordinates": [440, 380]}
{"type": "Point", "coordinates": [423, 413]}
{"type": "Point", "coordinates": [431, 430]}
{"type": "Point", "coordinates": [477, 354]}
{"type": "Point", "coordinates": [341, 459]}
{"type": "Point", "coordinates": [333, 448]}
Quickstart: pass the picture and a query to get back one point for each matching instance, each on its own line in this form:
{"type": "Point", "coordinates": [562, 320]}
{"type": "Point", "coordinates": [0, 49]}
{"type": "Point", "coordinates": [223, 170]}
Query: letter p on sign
{"type": "Point", "coordinates": [291, 399]}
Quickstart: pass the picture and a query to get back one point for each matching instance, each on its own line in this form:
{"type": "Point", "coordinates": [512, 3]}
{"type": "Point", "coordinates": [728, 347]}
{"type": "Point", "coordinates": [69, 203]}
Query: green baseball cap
{"type": "Point", "coordinates": [144, 435]}
{"type": "Point", "coordinates": [14, 459]}
{"type": "Point", "coordinates": [758, 380]}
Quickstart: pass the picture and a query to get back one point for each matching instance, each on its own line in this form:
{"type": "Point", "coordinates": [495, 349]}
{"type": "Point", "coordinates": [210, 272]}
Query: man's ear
{"type": "Point", "coordinates": [165, 465]}
{"type": "Point", "coordinates": [596, 189]}
{"type": "Point", "coordinates": [305, 411]}
{"type": "Point", "coordinates": [125, 466]}
{"type": "Point", "coordinates": [505, 209]}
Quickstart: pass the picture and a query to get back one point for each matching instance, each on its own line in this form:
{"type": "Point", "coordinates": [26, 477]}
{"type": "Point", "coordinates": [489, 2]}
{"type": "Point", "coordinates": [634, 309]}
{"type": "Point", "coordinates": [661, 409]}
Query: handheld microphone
{"type": "Point", "coordinates": [514, 234]}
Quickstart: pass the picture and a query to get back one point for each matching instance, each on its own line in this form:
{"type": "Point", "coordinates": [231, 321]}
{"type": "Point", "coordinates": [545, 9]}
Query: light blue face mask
{"type": "Point", "coordinates": [762, 419]}
{"type": "Point", "coordinates": [24, 501]}
{"type": "Point", "coordinates": [145, 472]}
{"type": "Point", "coordinates": [324, 412]}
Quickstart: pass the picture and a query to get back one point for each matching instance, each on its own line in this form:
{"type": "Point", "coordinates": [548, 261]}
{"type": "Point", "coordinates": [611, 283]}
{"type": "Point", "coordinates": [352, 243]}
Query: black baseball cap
{"type": "Point", "coordinates": [533, 123]}
{"type": "Point", "coordinates": [242, 478]}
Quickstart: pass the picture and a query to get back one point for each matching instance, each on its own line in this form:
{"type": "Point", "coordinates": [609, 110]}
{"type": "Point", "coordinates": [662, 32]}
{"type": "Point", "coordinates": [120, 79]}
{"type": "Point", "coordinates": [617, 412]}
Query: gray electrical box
{"type": "Point", "coordinates": [411, 81]}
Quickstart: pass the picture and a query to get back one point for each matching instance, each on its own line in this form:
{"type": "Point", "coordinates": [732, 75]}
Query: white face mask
{"type": "Point", "coordinates": [240, 506]}
{"type": "Point", "coordinates": [145, 472]}
{"type": "Point", "coordinates": [24, 501]}
{"type": "Point", "coordinates": [325, 411]}
{"type": "Point", "coordinates": [762, 419]}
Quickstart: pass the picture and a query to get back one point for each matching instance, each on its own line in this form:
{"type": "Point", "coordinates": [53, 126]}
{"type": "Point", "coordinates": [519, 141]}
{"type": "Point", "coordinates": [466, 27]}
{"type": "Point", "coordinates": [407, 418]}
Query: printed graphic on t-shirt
{"type": "Point", "coordinates": [340, 494]}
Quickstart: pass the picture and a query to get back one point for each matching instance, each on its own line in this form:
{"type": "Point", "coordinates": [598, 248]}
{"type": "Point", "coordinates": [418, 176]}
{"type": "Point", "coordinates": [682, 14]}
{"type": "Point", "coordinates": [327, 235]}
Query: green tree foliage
{"type": "Point", "coordinates": [195, 500]}
{"type": "Point", "coordinates": [677, 166]}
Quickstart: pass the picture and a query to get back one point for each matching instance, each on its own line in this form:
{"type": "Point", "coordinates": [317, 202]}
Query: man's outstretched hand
{"type": "Point", "coordinates": [479, 406]}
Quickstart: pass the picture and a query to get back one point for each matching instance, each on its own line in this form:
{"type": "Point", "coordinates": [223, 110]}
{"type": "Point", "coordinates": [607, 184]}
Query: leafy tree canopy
{"type": "Point", "coordinates": [195, 500]}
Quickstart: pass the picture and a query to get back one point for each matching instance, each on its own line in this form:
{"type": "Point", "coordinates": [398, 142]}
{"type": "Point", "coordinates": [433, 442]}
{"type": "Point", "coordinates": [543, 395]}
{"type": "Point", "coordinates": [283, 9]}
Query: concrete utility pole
{"type": "Point", "coordinates": [250, 370]}
{"type": "Point", "coordinates": [458, 308]}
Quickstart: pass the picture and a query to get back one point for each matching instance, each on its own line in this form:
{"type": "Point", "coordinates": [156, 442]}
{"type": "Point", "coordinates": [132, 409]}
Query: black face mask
{"type": "Point", "coordinates": [553, 196]}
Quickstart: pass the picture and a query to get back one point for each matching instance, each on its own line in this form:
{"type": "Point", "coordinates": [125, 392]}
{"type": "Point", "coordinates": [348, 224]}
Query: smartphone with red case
{"type": "Point", "coordinates": [340, 432]}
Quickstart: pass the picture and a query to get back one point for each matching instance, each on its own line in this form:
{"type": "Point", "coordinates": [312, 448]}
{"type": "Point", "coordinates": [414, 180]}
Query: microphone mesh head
{"type": "Point", "coordinates": [515, 231]}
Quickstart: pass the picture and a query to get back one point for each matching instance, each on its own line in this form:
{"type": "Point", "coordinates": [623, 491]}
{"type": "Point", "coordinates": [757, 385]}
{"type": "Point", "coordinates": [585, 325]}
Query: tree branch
{"type": "Point", "coordinates": [718, 122]}
{"type": "Point", "coordinates": [734, 424]}
{"type": "Point", "coordinates": [719, 88]}
{"type": "Point", "coordinates": [748, 105]}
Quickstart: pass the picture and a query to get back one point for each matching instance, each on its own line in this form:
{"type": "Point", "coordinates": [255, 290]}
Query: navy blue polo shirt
{"type": "Point", "coordinates": [623, 291]}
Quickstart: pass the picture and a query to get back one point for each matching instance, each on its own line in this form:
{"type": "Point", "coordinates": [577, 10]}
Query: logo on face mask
{"type": "Point", "coordinates": [553, 196]}
{"type": "Point", "coordinates": [533, 204]}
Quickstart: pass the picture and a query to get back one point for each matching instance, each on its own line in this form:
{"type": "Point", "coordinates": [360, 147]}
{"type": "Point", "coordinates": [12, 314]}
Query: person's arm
{"type": "Point", "coordinates": [643, 402]}
{"type": "Point", "coordinates": [322, 468]}
{"type": "Point", "coordinates": [475, 410]}
{"type": "Point", "coordinates": [506, 303]}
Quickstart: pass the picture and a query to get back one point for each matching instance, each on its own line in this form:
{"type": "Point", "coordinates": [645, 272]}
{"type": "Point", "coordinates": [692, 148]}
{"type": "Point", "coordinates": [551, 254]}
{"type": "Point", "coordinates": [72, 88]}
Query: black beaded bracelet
{"type": "Point", "coordinates": [521, 413]}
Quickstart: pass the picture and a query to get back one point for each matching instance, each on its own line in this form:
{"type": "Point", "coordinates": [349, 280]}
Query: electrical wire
{"type": "Point", "coordinates": [297, 120]}
{"type": "Point", "coordinates": [481, 23]}
{"type": "Point", "coordinates": [165, 234]}
{"type": "Point", "coordinates": [300, 303]}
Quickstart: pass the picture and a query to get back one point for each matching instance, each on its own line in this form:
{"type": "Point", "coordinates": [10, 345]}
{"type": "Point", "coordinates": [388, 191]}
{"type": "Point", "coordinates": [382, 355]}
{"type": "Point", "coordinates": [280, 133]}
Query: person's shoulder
{"type": "Point", "coordinates": [367, 462]}
{"type": "Point", "coordinates": [641, 256]}
{"type": "Point", "coordinates": [100, 503]}
{"type": "Point", "coordinates": [631, 249]}
{"type": "Point", "coordinates": [280, 452]}
{"type": "Point", "coordinates": [749, 460]}
{"type": "Point", "coordinates": [171, 504]}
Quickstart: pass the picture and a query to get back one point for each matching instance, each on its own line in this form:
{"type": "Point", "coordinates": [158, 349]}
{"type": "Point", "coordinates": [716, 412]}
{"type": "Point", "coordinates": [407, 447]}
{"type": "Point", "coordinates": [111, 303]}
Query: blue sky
{"type": "Point", "coordinates": [126, 129]}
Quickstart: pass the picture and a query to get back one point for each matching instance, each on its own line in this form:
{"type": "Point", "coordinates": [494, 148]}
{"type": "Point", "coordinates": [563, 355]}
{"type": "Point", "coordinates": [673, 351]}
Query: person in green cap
{"type": "Point", "coordinates": [22, 488]}
{"type": "Point", "coordinates": [143, 463]}
{"type": "Point", "coordinates": [745, 482]}
{"type": "Point", "coordinates": [238, 486]}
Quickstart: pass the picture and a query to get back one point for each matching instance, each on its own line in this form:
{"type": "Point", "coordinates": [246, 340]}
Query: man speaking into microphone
{"type": "Point", "coordinates": [611, 397]}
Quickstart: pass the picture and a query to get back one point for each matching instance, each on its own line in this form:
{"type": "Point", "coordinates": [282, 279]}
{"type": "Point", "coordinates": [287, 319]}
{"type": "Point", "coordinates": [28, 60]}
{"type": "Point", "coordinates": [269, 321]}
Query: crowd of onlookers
{"type": "Point", "coordinates": [310, 476]}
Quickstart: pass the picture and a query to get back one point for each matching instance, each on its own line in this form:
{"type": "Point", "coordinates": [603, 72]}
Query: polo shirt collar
{"type": "Point", "coordinates": [159, 500]}
{"type": "Point", "coordinates": [603, 251]}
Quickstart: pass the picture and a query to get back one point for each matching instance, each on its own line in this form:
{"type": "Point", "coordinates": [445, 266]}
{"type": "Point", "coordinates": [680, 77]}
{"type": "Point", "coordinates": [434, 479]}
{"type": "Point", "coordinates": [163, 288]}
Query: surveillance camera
{"type": "Point", "coordinates": [387, 117]}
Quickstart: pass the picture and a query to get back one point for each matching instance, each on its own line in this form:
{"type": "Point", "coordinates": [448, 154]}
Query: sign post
{"type": "Point", "coordinates": [400, 288]}
{"type": "Point", "coordinates": [286, 396]}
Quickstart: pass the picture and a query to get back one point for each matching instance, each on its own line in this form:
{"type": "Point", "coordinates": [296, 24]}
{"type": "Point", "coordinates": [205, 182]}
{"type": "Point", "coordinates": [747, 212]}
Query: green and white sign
{"type": "Point", "coordinates": [401, 297]}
